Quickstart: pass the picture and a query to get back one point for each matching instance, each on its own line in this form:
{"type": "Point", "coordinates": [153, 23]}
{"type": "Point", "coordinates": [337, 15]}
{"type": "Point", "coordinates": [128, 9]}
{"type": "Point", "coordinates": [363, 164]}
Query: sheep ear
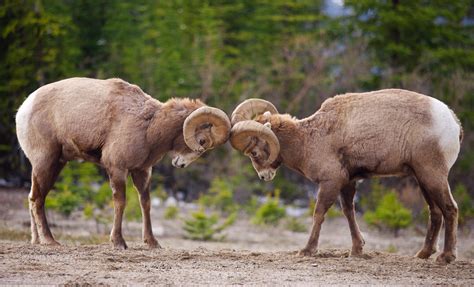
{"type": "Point", "coordinates": [268, 125]}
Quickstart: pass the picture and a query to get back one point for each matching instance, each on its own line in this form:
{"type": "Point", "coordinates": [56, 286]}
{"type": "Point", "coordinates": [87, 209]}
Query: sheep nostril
{"type": "Point", "coordinates": [261, 177]}
{"type": "Point", "coordinates": [181, 165]}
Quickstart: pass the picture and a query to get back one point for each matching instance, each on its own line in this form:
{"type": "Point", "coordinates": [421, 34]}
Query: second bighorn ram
{"type": "Point", "coordinates": [118, 126]}
{"type": "Point", "coordinates": [359, 135]}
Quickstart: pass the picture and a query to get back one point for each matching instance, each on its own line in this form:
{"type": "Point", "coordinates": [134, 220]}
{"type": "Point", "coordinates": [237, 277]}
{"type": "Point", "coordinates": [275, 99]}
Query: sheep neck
{"type": "Point", "coordinates": [292, 145]}
{"type": "Point", "coordinates": [167, 123]}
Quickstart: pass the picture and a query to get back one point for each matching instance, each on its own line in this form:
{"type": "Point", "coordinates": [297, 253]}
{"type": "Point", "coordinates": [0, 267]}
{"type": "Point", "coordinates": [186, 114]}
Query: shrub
{"type": "Point", "coordinates": [392, 249]}
{"type": "Point", "coordinates": [133, 209]}
{"type": "Point", "coordinates": [81, 186]}
{"type": "Point", "coordinates": [288, 190]}
{"type": "Point", "coordinates": [74, 186]}
{"type": "Point", "coordinates": [203, 227]}
{"type": "Point", "coordinates": [160, 193]}
{"type": "Point", "coordinates": [100, 216]}
{"type": "Point", "coordinates": [465, 204]}
{"type": "Point", "coordinates": [64, 202]}
{"type": "Point", "coordinates": [389, 213]}
{"type": "Point", "coordinates": [312, 204]}
{"type": "Point", "coordinates": [270, 212]}
{"type": "Point", "coordinates": [171, 212]}
{"type": "Point", "coordinates": [333, 212]}
{"type": "Point", "coordinates": [372, 200]}
{"type": "Point", "coordinates": [220, 196]}
{"type": "Point", "coordinates": [295, 225]}
{"type": "Point", "coordinates": [251, 205]}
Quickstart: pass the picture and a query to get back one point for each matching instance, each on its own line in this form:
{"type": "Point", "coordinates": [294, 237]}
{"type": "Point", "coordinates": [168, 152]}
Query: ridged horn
{"type": "Point", "coordinates": [220, 127]}
{"type": "Point", "coordinates": [243, 131]}
{"type": "Point", "coordinates": [251, 108]}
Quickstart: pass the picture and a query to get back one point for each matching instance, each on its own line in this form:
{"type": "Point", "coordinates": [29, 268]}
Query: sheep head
{"type": "Point", "coordinates": [204, 129]}
{"type": "Point", "coordinates": [254, 139]}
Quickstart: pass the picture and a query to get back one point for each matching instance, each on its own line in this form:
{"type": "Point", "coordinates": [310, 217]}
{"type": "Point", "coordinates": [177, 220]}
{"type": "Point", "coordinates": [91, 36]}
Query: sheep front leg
{"type": "Point", "coordinates": [117, 183]}
{"type": "Point", "coordinates": [141, 180]}
{"type": "Point", "coordinates": [328, 192]}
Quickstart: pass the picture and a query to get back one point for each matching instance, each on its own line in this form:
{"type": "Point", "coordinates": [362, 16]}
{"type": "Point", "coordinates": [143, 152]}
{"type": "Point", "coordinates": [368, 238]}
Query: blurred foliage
{"type": "Point", "coordinates": [389, 213]}
{"type": "Point", "coordinates": [81, 187]}
{"type": "Point", "coordinates": [312, 205]}
{"type": "Point", "coordinates": [204, 227]}
{"type": "Point", "coordinates": [377, 192]}
{"type": "Point", "coordinates": [76, 185]}
{"type": "Point", "coordinates": [270, 213]}
{"type": "Point", "coordinates": [171, 212]}
{"type": "Point", "coordinates": [220, 196]}
{"type": "Point", "coordinates": [133, 211]}
{"type": "Point", "coordinates": [101, 216]}
{"type": "Point", "coordinates": [251, 205]}
{"type": "Point", "coordinates": [287, 51]}
{"type": "Point", "coordinates": [160, 193]}
{"type": "Point", "coordinates": [423, 216]}
{"type": "Point", "coordinates": [392, 249]}
{"type": "Point", "coordinates": [294, 224]}
{"type": "Point", "coordinates": [64, 202]}
{"type": "Point", "coordinates": [410, 34]}
{"type": "Point", "coordinates": [334, 212]}
{"type": "Point", "coordinates": [465, 205]}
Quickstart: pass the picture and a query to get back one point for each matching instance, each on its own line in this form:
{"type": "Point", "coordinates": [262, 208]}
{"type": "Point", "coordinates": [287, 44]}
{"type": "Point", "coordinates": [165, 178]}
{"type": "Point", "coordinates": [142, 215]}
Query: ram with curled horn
{"type": "Point", "coordinates": [118, 126]}
{"type": "Point", "coordinates": [359, 135]}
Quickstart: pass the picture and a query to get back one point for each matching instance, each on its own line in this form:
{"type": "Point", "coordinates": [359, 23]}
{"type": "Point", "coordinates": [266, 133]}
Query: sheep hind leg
{"type": "Point", "coordinates": [434, 226]}
{"type": "Point", "coordinates": [34, 228]}
{"type": "Point", "coordinates": [117, 179]}
{"type": "Point", "coordinates": [436, 185]}
{"type": "Point", "coordinates": [44, 174]}
{"type": "Point", "coordinates": [141, 180]}
{"type": "Point", "coordinates": [328, 192]}
{"type": "Point", "coordinates": [347, 203]}
{"type": "Point", "coordinates": [449, 209]}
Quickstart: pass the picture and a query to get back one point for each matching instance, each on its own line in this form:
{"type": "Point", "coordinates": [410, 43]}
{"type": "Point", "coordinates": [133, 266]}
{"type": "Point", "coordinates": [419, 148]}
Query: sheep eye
{"type": "Point", "coordinates": [202, 142]}
{"type": "Point", "coordinates": [254, 154]}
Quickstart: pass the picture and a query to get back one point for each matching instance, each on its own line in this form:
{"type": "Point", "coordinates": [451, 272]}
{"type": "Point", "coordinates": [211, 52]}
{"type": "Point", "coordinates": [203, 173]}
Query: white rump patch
{"type": "Point", "coordinates": [22, 121]}
{"type": "Point", "coordinates": [25, 109]}
{"type": "Point", "coordinates": [447, 130]}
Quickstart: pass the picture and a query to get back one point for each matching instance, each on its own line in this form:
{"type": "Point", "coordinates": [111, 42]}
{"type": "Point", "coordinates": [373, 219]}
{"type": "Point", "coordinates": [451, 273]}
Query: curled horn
{"type": "Point", "coordinates": [220, 127]}
{"type": "Point", "coordinates": [251, 108]}
{"type": "Point", "coordinates": [243, 131]}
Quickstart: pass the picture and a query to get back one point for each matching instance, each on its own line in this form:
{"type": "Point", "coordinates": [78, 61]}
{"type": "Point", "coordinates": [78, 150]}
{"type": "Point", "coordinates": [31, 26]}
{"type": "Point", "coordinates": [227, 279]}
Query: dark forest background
{"type": "Point", "coordinates": [294, 53]}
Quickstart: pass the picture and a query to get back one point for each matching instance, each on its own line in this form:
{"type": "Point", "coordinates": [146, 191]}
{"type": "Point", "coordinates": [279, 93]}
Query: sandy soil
{"type": "Point", "coordinates": [22, 263]}
{"type": "Point", "coordinates": [250, 255]}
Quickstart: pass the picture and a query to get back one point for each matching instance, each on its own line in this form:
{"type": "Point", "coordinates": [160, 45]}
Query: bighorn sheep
{"type": "Point", "coordinates": [118, 126]}
{"type": "Point", "coordinates": [359, 135]}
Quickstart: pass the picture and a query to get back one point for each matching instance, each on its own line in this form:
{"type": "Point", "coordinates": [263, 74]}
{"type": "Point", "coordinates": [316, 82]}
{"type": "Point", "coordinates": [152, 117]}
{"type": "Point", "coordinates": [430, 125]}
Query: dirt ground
{"type": "Point", "coordinates": [250, 255]}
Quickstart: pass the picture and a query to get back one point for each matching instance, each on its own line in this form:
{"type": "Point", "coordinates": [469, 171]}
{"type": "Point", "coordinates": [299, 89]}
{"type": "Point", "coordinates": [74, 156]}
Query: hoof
{"type": "Point", "coordinates": [425, 254]}
{"type": "Point", "coordinates": [119, 244]}
{"type": "Point", "coordinates": [356, 252]}
{"type": "Point", "coordinates": [306, 252]}
{"type": "Point", "coordinates": [50, 242]}
{"type": "Point", "coordinates": [445, 258]}
{"type": "Point", "coordinates": [152, 243]}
